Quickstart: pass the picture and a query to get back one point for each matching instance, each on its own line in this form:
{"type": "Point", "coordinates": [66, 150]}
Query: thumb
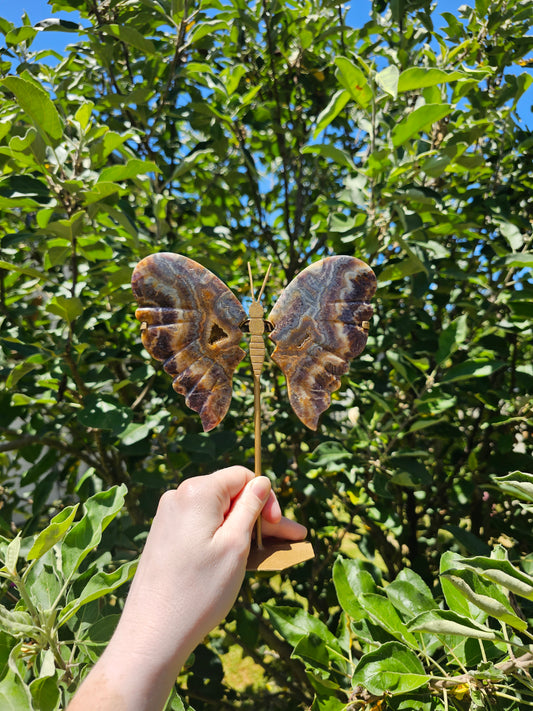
{"type": "Point", "coordinates": [248, 506]}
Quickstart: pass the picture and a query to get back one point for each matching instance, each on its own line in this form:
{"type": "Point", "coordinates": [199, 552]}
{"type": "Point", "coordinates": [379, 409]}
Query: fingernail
{"type": "Point", "coordinates": [260, 486]}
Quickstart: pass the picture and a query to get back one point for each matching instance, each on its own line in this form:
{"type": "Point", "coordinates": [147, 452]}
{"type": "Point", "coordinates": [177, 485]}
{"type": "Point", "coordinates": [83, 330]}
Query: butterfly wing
{"type": "Point", "coordinates": [191, 322]}
{"type": "Point", "coordinates": [318, 328]}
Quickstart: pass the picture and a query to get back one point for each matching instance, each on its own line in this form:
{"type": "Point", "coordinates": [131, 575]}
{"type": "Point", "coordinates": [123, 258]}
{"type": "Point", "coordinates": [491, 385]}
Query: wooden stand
{"type": "Point", "coordinates": [271, 554]}
{"type": "Point", "coordinates": [277, 555]}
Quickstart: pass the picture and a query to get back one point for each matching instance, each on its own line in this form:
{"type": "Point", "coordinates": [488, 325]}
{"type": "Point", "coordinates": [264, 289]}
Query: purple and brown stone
{"type": "Point", "coordinates": [193, 323]}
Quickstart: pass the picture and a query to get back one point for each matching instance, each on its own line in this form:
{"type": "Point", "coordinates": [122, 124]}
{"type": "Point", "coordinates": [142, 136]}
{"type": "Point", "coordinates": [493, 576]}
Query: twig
{"type": "Point", "coordinates": [21, 442]}
{"type": "Point", "coordinates": [509, 667]}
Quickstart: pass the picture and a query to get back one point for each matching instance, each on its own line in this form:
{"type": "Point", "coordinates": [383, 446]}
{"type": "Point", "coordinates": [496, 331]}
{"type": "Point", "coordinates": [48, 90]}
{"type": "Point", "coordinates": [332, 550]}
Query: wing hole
{"type": "Point", "coordinates": [217, 334]}
{"type": "Point", "coordinates": [305, 342]}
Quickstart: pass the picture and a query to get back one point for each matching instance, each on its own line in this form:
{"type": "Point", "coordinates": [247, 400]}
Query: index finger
{"type": "Point", "coordinates": [234, 482]}
{"type": "Point", "coordinates": [222, 487]}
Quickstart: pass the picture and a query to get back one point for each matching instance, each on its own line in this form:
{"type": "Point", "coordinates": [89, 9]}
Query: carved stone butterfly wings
{"type": "Point", "coordinates": [193, 323]}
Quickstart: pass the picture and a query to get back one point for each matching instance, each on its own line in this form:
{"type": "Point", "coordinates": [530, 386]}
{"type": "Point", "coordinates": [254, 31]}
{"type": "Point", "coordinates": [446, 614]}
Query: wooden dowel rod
{"type": "Point", "coordinates": [257, 424]}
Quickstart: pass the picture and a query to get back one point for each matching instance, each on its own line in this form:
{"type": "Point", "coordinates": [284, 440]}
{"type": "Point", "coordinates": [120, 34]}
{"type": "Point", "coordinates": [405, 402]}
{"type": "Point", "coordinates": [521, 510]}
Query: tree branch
{"type": "Point", "coordinates": [509, 667]}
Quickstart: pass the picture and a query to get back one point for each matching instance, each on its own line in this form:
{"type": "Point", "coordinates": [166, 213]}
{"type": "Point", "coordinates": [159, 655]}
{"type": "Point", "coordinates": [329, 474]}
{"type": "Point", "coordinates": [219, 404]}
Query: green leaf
{"type": "Point", "coordinates": [7, 642]}
{"type": "Point", "coordinates": [67, 308]}
{"type": "Point", "coordinates": [20, 34]}
{"type": "Point", "coordinates": [418, 121]}
{"type": "Point", "coordinates": [95, 249]}
{"type": "Point", "coordinates": [53, 533]}
{"type": "Point", "coordinates": [395, 359]}
{"type": "Point", "coordinates": [401, 269]}
{"type": "Point", "coordinates": [327, 703]}
{"type": "Point", "coordinates": [513, 235]}
{"type": "Point", "coordinates": [14, 694]}
{"type": "Point", "coordinates": [100, 510]}
{"type": "Point", "coordinates": [129, 35]}
{"type": "Point", "coordinates": [21, 269]}
{"type": "Point", "coordinates": [67, 229]}
{"type": "Point", "coordinates": [100, 191]}
{"type": "Point", "coordinates": [503, 573]}
{"type": "Point", "coordinates": [83, 114]}
{"type": "Point", "coordinates": [351, 580]}
{"type": "Point", "coordinates": [468, 540]}
{"type": "Point", "coordinates": [35, 102]}
{"type": "Point", "coordinates": [419, 78]}
{"type": "Point", "coordinates": [99, 585]}
{"type": "Point", "coordinates": [339, 222]}
{"type": "Point", "coordinates": [489, 599]}
{"type": "Point", "coordinates": [58, 252]}
{"type": "Point", "coordinates": [57, 25]}
{"type": "Point", "coordinates": [17, 623]}
{"type": "Point", "coordinates": [13, 186]}
{"type": "Point", "coordinates": [453, 336]}
{"type": "Point", "coordinates": [293, 623]}
{"type": "Point", "coordinates": [104, 413]}
{"type": "Point", "coordinates": [134, 433]}
{"type": "Point", "coordinates": [407, 469]}
{"type": "Point", "coordinates": [520, 259]}
{"type": "Point", "coordinates": [354, 81]}
{"type": "Point", "coordinates": [388, 79]}
{"type": "Point", "coordinates": [517, 484]}
{"type": "Point", "coordinates": [409, 593]}
{"type": "Point", "coordinates": [205, 28]}
{"type": "Point", "coordinates": [43, 581]}
{"type": "Point", "coordinates": [99, 633]}
{"type": "Point", "coordinates": [329, 454]}
{"type": "Point", "coordinates": [18, 372]}
{"type": "Point", "coordinates": [12, 555]}
{"type": "Point", "coordinates": [392, 669]}
{"type": "Point", "coordinates": [177, 703]}
{"type": "Point", "coordinates": [328, 151]}
{"type": "Point", "coordinates": [446, 622]}
{"type": "Point", "coordinates": [232, 78]}
{"type": "Point", "coordinates": [45, 693]}
{"type": "Point", "coordinates": [131, 169]}
{"type": "Point", "coordinates": [337, 103]}
{"type": "Point", "coordinates": [473, 368]}
{"type": "Point", "coordinates": [247, 627]}
{"type": "Point", "coordinates": [455, 601]}
{"type": "Point", "coordinates": [381, 610]}
{"type": "Point", "coordinates": [425, 423]}
{"type": "Point", "coordinates": [20, 143]}
{"type": "Point", "coordinates": [313, 650]}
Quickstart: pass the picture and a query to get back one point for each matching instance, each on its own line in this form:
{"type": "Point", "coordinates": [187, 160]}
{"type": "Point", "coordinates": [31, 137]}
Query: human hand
{"type": "Point", "coordinates": [197, 549]}
{"type": "Point", "coordinates": [188, 578]}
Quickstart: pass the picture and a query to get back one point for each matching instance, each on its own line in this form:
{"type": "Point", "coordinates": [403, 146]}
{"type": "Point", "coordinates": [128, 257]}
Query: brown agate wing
{"type": "Point", "coordinates": [318, 328]}
{"type": "Point", "coordinates": [191, 322]}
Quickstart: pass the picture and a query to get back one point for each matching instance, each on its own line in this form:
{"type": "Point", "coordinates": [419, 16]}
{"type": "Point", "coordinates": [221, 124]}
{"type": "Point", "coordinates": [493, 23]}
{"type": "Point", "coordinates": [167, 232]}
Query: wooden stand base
{"type": "Point", "coordinates": [277, 555]}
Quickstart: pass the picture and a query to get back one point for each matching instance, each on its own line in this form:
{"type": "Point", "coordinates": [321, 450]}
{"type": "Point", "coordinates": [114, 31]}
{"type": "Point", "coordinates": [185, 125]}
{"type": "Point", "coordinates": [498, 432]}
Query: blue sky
{"type": "Point", "coordinates": [358, 14]}
{"type": "Point", "coordinates": [40, 10]}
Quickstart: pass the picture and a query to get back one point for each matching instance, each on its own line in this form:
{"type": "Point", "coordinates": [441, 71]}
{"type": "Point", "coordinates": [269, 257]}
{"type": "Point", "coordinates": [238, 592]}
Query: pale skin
{"type": "Point", "coordinates": [188, 578]}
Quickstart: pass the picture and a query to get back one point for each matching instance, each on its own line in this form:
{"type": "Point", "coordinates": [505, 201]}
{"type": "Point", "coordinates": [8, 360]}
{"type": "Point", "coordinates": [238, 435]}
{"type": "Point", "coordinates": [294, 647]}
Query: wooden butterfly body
{"type": "Point", "coordinates": [193, 323]}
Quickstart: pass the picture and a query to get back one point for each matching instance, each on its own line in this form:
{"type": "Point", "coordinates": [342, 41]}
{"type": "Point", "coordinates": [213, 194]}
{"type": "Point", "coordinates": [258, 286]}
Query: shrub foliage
{"type": "Point", "coordinates": [274, 133]}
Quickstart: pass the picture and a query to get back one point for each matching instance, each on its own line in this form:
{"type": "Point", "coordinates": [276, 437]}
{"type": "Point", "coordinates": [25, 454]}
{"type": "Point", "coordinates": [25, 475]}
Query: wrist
{"type": "Point", "coordinates": [134, 673]}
